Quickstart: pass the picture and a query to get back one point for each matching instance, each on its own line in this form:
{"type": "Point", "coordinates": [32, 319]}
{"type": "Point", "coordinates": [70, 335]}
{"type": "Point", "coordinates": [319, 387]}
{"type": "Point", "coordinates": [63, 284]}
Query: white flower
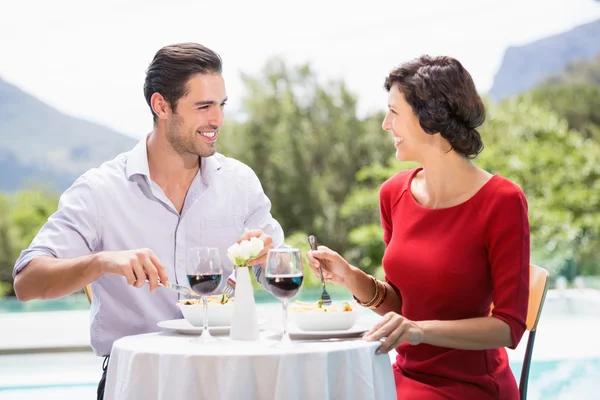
{"type": "Point", "coordinates": [246, 250]}
{"type": "Point", "coordinates": [256, 245]}
{"type": "Point", "coordinates": [233, 252]}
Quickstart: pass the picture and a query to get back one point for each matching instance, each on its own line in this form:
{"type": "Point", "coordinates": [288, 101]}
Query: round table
{"type": "Point", "coordinates": [169, 366]}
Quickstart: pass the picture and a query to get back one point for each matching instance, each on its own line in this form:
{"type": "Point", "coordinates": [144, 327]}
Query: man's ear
{"type": "Point", "coordinates": [160, 106]}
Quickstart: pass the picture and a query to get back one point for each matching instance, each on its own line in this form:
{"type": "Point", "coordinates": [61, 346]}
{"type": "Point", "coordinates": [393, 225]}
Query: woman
{"type": "Point", "coordinates": [457, 240]}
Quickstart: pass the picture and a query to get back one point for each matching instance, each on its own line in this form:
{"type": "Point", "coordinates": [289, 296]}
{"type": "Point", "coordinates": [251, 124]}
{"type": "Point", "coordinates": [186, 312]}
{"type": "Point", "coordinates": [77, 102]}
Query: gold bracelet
{"type": "Point", "coordinates": [383, 292]}
{"type": "Point", "coordinates": [375, 298]}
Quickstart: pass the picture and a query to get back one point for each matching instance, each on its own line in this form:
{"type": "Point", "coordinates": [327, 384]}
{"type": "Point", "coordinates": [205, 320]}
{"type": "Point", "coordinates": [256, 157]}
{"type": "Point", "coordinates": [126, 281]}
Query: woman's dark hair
{"type": "Point", "coordinates": [443, 96]}
{"type": "Point", "coordinates": [173, 66]}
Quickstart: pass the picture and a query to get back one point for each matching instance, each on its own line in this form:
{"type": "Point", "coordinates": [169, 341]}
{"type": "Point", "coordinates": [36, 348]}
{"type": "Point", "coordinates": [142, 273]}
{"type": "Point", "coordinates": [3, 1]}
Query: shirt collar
{"type": "Point", "coordinates": [137, 162]}
{"type": "Point", "coordinates": [208, 166]}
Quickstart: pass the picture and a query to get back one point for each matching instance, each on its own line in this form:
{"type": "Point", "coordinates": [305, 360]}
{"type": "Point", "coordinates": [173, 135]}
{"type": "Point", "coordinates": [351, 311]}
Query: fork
{"type": "Point", "coordinates": [325, 298]}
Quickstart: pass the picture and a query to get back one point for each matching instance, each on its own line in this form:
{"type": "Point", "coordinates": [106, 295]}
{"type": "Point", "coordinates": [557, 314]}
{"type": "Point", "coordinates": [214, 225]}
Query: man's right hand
{"type": "Point", "coordinates": [135, 265]}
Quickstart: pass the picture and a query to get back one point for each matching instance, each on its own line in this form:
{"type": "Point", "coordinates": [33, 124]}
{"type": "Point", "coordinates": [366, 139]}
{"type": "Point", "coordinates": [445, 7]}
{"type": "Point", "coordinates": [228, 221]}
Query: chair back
{"type": "Point", "coordinates": [538, 287]}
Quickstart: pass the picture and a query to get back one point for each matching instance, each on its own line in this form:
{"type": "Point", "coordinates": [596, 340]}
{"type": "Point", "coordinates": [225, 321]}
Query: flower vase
{"type": "Point", "coordinates": [245, 321]}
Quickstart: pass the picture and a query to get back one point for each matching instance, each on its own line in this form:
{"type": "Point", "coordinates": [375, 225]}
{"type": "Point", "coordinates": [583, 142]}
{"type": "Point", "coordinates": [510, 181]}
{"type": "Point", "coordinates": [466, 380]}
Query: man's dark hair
{"type": "Point", "coordinates": [173, 66]}
{"type": "Point", "coordinates": [443, 96]}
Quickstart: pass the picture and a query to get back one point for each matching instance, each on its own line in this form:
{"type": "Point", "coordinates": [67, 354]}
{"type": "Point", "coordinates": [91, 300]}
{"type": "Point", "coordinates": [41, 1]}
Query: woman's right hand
{"type": "Point", "coordinates": [335, 267]}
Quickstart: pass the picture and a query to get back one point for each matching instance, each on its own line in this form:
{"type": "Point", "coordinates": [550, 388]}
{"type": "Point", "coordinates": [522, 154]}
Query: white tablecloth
{"type": "Point", "coordinates": [168, 366]}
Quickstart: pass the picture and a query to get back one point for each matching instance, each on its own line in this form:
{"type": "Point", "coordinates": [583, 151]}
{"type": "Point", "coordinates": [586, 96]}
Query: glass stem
{"type": "Point", "coordinates": [205, 332]}
{"type": "Point", "coordinates": [286, 336]}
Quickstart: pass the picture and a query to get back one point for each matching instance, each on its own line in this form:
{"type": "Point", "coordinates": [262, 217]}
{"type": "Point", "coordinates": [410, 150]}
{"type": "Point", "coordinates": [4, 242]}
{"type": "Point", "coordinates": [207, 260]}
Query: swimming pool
{"type": "Point", "coordinates": [563, 379]}
{"type": "Point", "coordinates": [75, 376]}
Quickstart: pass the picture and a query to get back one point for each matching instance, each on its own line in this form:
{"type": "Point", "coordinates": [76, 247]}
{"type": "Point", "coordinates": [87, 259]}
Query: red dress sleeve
{"type": "Point", "coordinates": [507, 238]}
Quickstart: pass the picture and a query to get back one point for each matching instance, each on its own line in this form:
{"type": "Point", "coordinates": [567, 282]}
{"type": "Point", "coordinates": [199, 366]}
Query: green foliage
{"type": "Point", "coordinates": [361, 210]}
{"type": "Point", "coordinates": [299, 240]}
{"type": "Point", "coordinates": [306, 143]}
{"type": "Point", "coordinates": [30, 211]}
{"type": "Point", "coordinates": [557, 169]}
{"type": "Point", "coordinates": [7, 240]}
{"type": "Point", "coordinates": [578, 103]}
{"type": "Point", "coordinates": [574, 94]}
{"type": "Point", "coordinates": [21, 216]}
{"type": "Point", "coordinates": [368, 242]}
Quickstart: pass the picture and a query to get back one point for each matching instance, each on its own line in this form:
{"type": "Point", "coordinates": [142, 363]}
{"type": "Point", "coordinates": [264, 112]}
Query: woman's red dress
{"type": "Point", "coordinates": [451, 264]}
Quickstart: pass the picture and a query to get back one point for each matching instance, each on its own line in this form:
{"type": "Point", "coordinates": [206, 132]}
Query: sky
{"type": "Point", "coordinates": [88, 58]}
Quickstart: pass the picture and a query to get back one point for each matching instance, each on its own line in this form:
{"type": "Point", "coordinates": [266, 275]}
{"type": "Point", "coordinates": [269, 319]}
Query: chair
{"type": "Point", "coordinates": [538, 287]}
{"type": "Point", "coordinates": [88, 292]}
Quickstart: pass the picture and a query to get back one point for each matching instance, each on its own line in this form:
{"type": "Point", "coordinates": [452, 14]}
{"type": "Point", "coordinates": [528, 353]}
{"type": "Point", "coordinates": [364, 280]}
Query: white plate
{"type": "Point", "coordinates": [297, 333]}
{"type": "Point", "coordinates": [184, 327]}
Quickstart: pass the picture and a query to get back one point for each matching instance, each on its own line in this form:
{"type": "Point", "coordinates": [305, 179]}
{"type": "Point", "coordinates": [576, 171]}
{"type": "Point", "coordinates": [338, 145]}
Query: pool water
{"type": "Point", "coordinates": [549, 380]}
{"type": "Point", "coordinates": [563, 379]}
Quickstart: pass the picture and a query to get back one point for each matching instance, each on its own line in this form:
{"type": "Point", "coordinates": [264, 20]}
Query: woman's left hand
{"type": "Point", "coordinates": [396, 330]}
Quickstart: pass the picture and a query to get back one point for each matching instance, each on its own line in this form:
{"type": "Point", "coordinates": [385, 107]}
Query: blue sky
{"type": "Point", "coordinates": [88, 60]}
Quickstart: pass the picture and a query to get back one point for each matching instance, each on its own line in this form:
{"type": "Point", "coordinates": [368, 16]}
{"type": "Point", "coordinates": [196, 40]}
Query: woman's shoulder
{"type": "Point", "coordinates": [501, 196]}
{"type": "Point", "coordinates": [399, 181]}
{"type": "Point", "coordinates": [503, 188]}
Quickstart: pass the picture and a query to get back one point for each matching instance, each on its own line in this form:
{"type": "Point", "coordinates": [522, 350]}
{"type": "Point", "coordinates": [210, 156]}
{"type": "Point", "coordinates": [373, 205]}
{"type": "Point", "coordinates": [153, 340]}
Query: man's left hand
{"type": "Point", "coordinates": [268, 244]}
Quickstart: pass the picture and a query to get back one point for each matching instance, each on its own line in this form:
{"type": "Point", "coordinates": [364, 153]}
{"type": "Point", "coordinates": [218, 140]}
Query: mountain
{"type": "Point", "coordinates": [524, 67]}
{"type": "Point", "coordinates": [40, 145]}
{"type": "Point", "coordinates": [586, 72]}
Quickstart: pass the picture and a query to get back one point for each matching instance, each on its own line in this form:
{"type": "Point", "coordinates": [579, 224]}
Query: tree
{"type": "Point", "coordinates": [574, 94]}
{"type": "Point", "coordinates": [558, 171]}
{"type": "Point", "coordinates": [578, 103]}
{"type": "Point", "coordinates": [306, 143]}
{"type": "Point", "coordinates": [7, 250]}
{"type": "Point", "coordinates": [21, 217]}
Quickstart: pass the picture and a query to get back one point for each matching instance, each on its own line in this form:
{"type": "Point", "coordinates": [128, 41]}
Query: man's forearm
{"type": "Point", "coordinates": [51, 278]}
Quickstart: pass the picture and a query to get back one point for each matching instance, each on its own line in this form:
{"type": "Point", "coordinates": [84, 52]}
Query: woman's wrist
{"type": "Point", "coordinates": [351, 278]}
{"type": "Point", "coordinates": [422, 327]}
{"type": "Point", "coordinates": [363, 286]}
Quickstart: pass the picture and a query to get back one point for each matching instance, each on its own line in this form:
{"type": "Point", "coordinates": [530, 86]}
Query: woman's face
{"type": "Point", "coordinates": [410, 139]}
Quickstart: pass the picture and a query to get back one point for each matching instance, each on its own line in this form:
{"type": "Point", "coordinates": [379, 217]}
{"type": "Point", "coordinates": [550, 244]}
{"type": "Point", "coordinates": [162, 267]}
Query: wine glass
{"type": "Point", "coordinates": [205, 273]}
{"type": "Point", "coordinates": [283, 276]}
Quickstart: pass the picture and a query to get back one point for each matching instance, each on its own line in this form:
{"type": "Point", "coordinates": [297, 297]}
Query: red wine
{"type": "Point", "coordinates": [284, 286]}
{"type": "Point", "coordinates": [205, 284]}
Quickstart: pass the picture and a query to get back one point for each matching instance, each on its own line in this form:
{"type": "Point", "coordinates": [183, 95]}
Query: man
{"type": "Point", "coordinates": [135, 217]}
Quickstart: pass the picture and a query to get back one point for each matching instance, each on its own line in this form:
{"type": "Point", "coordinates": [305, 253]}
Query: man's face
{"type": "Point", "coordinates": [194, 124]}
